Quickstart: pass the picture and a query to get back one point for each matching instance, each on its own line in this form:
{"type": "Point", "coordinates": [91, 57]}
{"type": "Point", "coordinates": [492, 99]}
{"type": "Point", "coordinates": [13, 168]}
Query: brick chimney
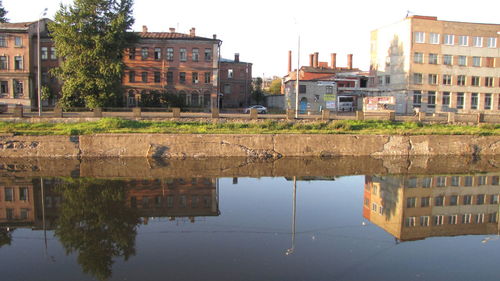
{"type": "Point", "coordinates": [172, 30]}
{"type": "Point", "coordinates": [192, 32]}
{"type": "Point", "coordinates": [144, 28]}
{"type": "Point", "coordinates": [289, 61]}
{"type": "Point", "coordinates": [333, 62]}
{"type": "Point", "coordinates": [349, 61]}
{"type": "Point", "coordinates": [311, 60]}
{"type": "Point", "coordinates": [316, 60]}
{"type": "Point", "coordinates": [237, 57]}
{"type": "Point", "coordinates": [214, 36]}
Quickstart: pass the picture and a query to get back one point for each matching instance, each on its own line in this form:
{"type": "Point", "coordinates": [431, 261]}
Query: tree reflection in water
{"type": "Point", "coordinates": [96, 223]}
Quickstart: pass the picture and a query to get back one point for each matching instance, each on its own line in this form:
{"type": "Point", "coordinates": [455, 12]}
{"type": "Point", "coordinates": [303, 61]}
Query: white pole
{"type": "Point", "coordinates": [39, 78]}
{"type": "Point", "coordinates": [297, 82]}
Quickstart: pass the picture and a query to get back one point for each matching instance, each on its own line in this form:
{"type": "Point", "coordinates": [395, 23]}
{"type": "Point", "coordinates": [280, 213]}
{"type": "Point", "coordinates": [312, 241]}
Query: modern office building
{"type": "Point", "coordinates": [437, 66]}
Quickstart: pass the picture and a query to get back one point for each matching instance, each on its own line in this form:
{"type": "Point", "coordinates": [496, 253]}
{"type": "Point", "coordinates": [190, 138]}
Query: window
{"type": "Point", "coordinates": [476, 61]}
{"type": "Point", "coordinates": [131, 53]}
{"type": "Point", "coordinates": [157, 53]}
{"type": "Point", "coordinates": [489, 62]}
{"type": "Point", "coordinates": [433, 79]}
{"type": "Point", "coordinates": [433, 58]}
{"type": "Point", "coordinates": [380, 80]}
{"type": "Point", "coordinates": [230, 74]}
{"type": "Point", "coordinates": [208, 77]}
{"type": "Point", "coordinates": [417, 98]}
{"type": "Point", "coordinates": [157, 77]}
{"type": "Point", "coordinates": [387, 79]}
{"type": "Point", "coordinates": [3, 41]}
{"type": "Point", "coordinates": [481, 180]}
{"type": "Point", "coordinates": [452, 219]}
{"type": "Point", "coordinates": [24, 213]}
{"type": "Point", "coordinates": [53, 54]}
{"type": "Point", "coordinates": [477, 41]}
{"type": "Point", "coordinates": [447, 59]}
{"type": "Point", "coordinates": [419, 37]}
{"type": "Point", "coordinates": [424, 221]}
{"type": "Point", "coordinates": [467, 199]}
{"type": "Point", "coordinates": [446, 103]}
{"type": "Point", "coordinates": [4, 87]}
{"type": "Point", "coordinates": [463, 40]}
{"type": "Point", "coordinates": [495, 180]}
{"type": "Point", "coordinates": [453, 200]}
{"type": "Point", "coordinates": [492, 218]}
{"type": "Point", "coordinates": [426, 182]}
{"type": "Point", "coordinates": [170, 77]}
{"type": "Point", "coordinates": [144, 77]}
{"type": "Point", "coordinates": [329, 89]}
{"type": "Point", "coordinates": [449, 39]}
{"type": "Point", "coordinates": [9, 194]}
{"type": "Point", "coordinates": [194, 77]}
{"type": "Point", "coordinates": [18, 88]}
{"type": "Point", "coordinates": [434, 38]}
{"type": "Point", "coordinates": [302, 89]}
{"type": "Point", "coordinates": [488, 81]}
{"type": "Point", "coordinates": [412, 182]}
{"type": "Point", "coordinates": [410, 221]}
{"type": "Point", "coordinates": [196, 54]}
{"type": "Point", "coordinates": [494, 199]}
{"type": "Point", "coordinates": [4, 64]}
{"type": "Point", "coordinates": [462, 60]}
{"type": "Point", "coordinates": [455, 181]}
{"type": "Point", "coordinates": [9, 213]}
{"type": "Point", "coordinates": [487, 101]}
{"type": "Point", "coordinates": [44, 53]}
{"type": "Point", "coordinates": [182, 54]}
{"type": "Point", "coordinates": [23, 194]}
{"type": "Point", "coordinates": [18, 41]}
{"type": "Point", "coordinates": [460, 100]}
{"type": "Point", "coordinates": [425, 201]}
{"type": "Point", "coordinates": [182, 77]}
{"type": "Point", "coordinates": [208, 54]}
{"type": "Point", "coordinates": [411, 202]}
{"type": "Point", "coordinates": [474, 81]}
{"type": "Point", "coordinates": [491, 42]}
{"type": "Point", "coordinates": [418, 58]}
{"type": "Point", "coordinates": [131, 76]}
{"type": "Point", "coordinates": [479, 218]}
{"type": "Point", "coordinates": [473, 105]}
{"type": "Point", "coordinates": [466, 218]}
{"type": "Point", "coordinates": [438, 220]}
{"type": "Point", "coordinates": [144, 53]}
{"type": "Point", "coordinates": [480, 199]}
{"type": "Point", "coordinates": [461, 80]}
{"type": "Point", "coordinates": [431, 99]}
{"type": "Point", "coordinates": [446, 79]}
{"type": "Point", "coordinates": [439, 201]}
{"type": "Point", "coordinates": [227, 88]}
{"type": "Point", "coordinates": [170, 54]}
{"type": "Point", "coordinates": [417, 78]}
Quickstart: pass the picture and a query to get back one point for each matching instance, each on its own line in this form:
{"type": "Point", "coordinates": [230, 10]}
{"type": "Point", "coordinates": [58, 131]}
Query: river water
{"type": "Point", "coordinates": [244, 219]}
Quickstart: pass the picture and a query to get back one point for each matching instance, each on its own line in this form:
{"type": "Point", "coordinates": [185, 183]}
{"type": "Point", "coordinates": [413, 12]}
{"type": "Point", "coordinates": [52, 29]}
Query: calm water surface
{"type": "Point", "coordinates": [432, 221]}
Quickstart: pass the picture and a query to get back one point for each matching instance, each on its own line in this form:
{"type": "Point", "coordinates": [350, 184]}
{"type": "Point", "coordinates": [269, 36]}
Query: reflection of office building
{"type": "Point", "coordinates": [417, 207]}
{"type": "Point", "coordinates": [190, 197]}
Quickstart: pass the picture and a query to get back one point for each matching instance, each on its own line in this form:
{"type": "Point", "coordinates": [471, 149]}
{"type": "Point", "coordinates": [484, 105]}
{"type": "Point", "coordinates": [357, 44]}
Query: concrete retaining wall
{"type": "Point", "coordinates": [259, 146]}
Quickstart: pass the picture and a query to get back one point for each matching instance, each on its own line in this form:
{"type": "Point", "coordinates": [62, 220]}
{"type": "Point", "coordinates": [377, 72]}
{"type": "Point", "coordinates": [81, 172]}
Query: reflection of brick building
{"type": "Point", "coordinates": [175, 63]}
{"type": "Point", "coordinates": [17, 202]}
{"type": "Point", "coordinates": [412, 208]}
{"type": "Point", "coordinates": [235, 82]}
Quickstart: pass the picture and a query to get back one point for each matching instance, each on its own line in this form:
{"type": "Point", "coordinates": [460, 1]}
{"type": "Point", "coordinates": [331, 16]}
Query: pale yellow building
{"type": "Point", "coordinates": [438, 66]}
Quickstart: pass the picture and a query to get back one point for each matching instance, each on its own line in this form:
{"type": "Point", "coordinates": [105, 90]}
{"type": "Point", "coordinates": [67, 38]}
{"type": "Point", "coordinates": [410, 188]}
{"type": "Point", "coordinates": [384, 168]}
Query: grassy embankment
{"type": "Point", "coordinates": [116, 125]}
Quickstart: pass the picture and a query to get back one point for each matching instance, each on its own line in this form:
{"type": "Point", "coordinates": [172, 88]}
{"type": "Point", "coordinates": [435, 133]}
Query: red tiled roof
{"type": "Point", "coordinates": [170, 35]}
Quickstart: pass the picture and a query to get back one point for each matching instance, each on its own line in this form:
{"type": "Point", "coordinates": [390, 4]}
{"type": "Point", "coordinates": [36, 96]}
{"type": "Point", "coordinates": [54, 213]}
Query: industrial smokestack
{"type": "Point", "coordinates": [349, 61]}
{"type": "Point", "coordinates": [237, 57]}
{"type": "Point", "coordinates": [311, 60]}
{"type": "Point", "coordinates": [289, 61]}
{"type": "Point", "coordinates": [144, 28]}
{"type": "Point", "coordinates": [316, 59]}
{"type": "Point", "coordinates": [333, 62]}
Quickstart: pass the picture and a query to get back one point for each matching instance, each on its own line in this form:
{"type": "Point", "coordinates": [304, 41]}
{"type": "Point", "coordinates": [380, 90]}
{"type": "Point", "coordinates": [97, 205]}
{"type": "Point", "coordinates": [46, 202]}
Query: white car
{"type": "Point", "coordinates": [260, 109]}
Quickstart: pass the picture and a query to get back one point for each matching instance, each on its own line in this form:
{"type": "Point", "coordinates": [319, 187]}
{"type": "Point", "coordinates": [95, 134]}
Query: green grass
{"type": "Point", "coordinates": [117, 125]}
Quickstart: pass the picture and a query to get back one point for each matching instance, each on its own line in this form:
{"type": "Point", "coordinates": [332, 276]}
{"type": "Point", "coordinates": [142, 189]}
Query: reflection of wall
{"type": "Point", "coordinates": [16, 202]}
{"type": "Point", "coordinates": [418, 207]}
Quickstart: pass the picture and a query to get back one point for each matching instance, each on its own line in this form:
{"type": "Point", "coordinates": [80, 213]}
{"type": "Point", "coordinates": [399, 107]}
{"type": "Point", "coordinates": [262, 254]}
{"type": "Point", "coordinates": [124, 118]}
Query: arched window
{"type": "Point", "coordinates": [195, 98]}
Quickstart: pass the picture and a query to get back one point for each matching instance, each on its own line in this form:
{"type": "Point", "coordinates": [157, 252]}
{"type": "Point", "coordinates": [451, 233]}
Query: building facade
{"type": "Point", "coordinates": [179, 64]}
{"type": "Point", "coordinates": [437, 66]}
{"type": "Point", "coordinates": [235, 82]}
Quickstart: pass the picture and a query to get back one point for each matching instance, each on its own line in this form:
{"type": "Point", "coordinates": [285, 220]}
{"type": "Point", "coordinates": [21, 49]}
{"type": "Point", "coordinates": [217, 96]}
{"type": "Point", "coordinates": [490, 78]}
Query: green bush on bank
{"type": "Point", "coordinates": [118, 125]}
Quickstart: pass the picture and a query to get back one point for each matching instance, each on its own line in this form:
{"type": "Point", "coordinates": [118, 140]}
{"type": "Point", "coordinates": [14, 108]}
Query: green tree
{"type": "Point", "coordinates": [96, 223]}
{"type": "Point", "coordinates": [275, 87]}
{"type": "Point", "coordinates": [161, 99]}
{"type": "Point", "coordinates": [257, 93]}
{"type": "Point", "coordinates": [3, 13]}
{"type": "Point", "coordinates": [91, 35]}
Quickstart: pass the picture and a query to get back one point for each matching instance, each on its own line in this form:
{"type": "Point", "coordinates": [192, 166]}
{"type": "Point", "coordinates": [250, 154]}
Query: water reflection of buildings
{"type": "Point", "coordinates": [16, 202]}
{"type": "Point", "coordinates": [418, 207]}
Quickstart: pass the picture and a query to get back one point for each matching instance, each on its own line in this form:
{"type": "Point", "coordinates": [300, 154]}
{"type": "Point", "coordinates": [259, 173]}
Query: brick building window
{"type": "Point", "coordinates": [461, 80]}
{"type": "Point", "coordinates": [182, 54]}
{"type": "Point", "coordinates": [195, 56]}
{"type": "Point", "coordinates": [131, 76]}
{"type": "Point", "coordinates": [208, 77]}
{"type": "Point", "coordinates": [230, 74]}
{"type": "Point", "coordinates": [433, 79]}
{"type": "Point", "coordinates": [446, 79]}
{"type": "Point", "coordinates": [489, 62]}
{"type": "Point", "coordinates": [419, 37]}
{"type": "Point", "coordinates": [445, 100]}
{"type": "Point", "coordinates": [474, 81]}
{"type": "Point", "coordinates": [417, 78]}
{"type": "Point", "coordinates": [474, 100]}
{"type": "Point", "coordinates": [449, 39]}
{"type": "Point", "coordinates": [227, 89]}
{"type": "Point", "coordinates": [44, 53]}
{"type": "Point", "coordinates": [433, 58]}
{"type": "Point", "coordinates": [170, 54]}
{"type": "Point", "coordinates": [462, 60]}
{"type": "Point", "coordinates": [53, 54]}
{"type": "Point", "coordinates": [417, 98]}
{"type": "Point", "coordinates": [18, 63]}
{"type": "Point", "coordinates": [463, 40]}
{"type": "Point", "coordinates": [434, 38]}
{"type": "Point", "coordinates": [476, 61]}
{"type": "Point", "coordinates": [460, 100]}
{"type": "Point", "coordinates": [488, 81]}
{"type": "Point", "coordinates": [144, 53]}
{"type": "Point", "coordinates": [170, 77]}
{"type": "Point", "coordinates": [144, 77]}
{"type": "Point", "coordinates": [477, 41]}
{"type": "Point", "coordinates": [418, 58]}
{"type": "Point", "coordinates": [302, 89]}
{"type": "Point", "coordinates": [3, 41]}
{"type": "Point", "coordinates": [18, 88]}
{"type": "Point", "coordinates": [157, 53]}
{"type": "Point", "coordinates": [4, 64]}
{"type": "Point", "coordinates": [157, 77]}
{"type": "Point", "coordinates": [182, 77]}
{"type": "Point", "coordinates": [491, 42]}
{"type": "Point", "coordinates": [487, 101]}
{"type": "Point", "coordinates": [194, 77]}
{"type": "Point", "coordinates": [131, 53]}
{"type": "Point", "coordinates": [18, 41]}
{"type": "Point", "coordinates": [448, 59]}
{"type": "Point", "coordinates": [4, 88]}
{"type": "Point", "coordinates": [208, 54]}
{"type": "Point", "coordinates": [431, 99]}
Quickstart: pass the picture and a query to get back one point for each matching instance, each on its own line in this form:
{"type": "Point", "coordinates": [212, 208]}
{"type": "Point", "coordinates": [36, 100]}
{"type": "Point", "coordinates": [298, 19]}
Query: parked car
{"type": "Point", "coordinates": [260, 109]}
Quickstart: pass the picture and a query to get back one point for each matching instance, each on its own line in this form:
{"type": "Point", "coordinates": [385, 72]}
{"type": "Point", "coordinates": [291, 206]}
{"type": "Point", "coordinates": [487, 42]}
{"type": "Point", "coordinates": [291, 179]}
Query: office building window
{"type": "Point", "coordinates": [434, 38]}
{"type": "Point", "coordinates": [4, 64]}
{"type": "Point", "coordinates": [477, 41]}
{"type": "Point", "coordinates": [208, 77]}
{"type": "Point", "coordinates": [463, 40]}
{"type": "Point", "coordinates": [194, 77]}
{"type": "Point", "coordinates": [208, 54]}
{"type": "Point", "coordinates": [418, 58]}
{"type": "Point", "coordinates": [487, 101]}
{"type": "Point", "coordinates": [460, 100]}
{"type": "Point", "coordinates": [131, 53]}
{"type": "Point", "coordinates": [447, 59]}
{"type": "Point", "coordinates": [44, 53]}
{"type": "Point", "coordinates": [474, 100]}
{"type": "Point", "coordinates": [170, 54]}
{"type": "Point", "coordinates": [157, 77]}
{"type": "Point", "coordinates": [144, 53]}
{"type": "Point", "coordinates": [431, 99]}
{"type": "Point", "coordinates": [474, 81]}
{"type": "Point", "coordinates": [461, 80]}
{"type": "Point", "coordinates": [462, 60]}
{"type": "Point", "coordinates": [183, 54]}
{"type": "Point", "coordinates": [196, 54]}
{"type": "Point", "coordinates": [446, 79]}
{"type": "Point", "coordinates": [445, 99]}
{"type": "Point", "coordinates": [417, 78]}
{"type": "Point", "coordinates": [476, 61]}
{"type": "Point", "coordinates": [131, 76]}
{"type": "Point", "coordinates": [432, 79]}
{"type": "Point", "coordinates": [157, 53]}
{"type": "Point", "coordinates": [488, 81]}
{"type": "Point", "coordinates": [433, 58]}
{"type": "Point", "coordinates": [53, 54]}
{"type": "Point", "coordinates": [491, 42]}
{"type": "Point", "coordinates": [182, 77]}
{"type": "Point", "coordinates": [417, 98]}
{"type": "Point", "coordinates": [144, 77]}
{"type": "Point", "coordinates": [419, 37]}
{"type": "Point", "coordinates": [449, 39]}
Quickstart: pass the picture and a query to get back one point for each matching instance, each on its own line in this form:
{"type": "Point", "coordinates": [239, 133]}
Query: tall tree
{"type": "Point", "coordinates": [91, 35]}
{"type": "Point", "coordinates": [3, 13]}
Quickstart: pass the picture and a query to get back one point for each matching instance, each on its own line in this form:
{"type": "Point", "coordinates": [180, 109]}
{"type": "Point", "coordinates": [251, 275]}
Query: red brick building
{"type": "Point", "coordinates": [235, 82]}
{"type": "Point", "coordinates": [181, 64]}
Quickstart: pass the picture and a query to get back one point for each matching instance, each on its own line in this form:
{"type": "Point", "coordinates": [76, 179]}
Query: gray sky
{"type": "Point", "coordinates": [263, 31]}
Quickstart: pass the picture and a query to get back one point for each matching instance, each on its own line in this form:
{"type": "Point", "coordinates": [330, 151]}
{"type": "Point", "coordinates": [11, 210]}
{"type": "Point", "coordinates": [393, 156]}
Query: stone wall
{"type": "Point", "coordinates": [181, 146]}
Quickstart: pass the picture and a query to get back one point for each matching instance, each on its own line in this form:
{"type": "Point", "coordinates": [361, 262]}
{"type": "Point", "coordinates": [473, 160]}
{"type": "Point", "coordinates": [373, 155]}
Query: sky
{"type": "Point", "coordinates": [262, 32]}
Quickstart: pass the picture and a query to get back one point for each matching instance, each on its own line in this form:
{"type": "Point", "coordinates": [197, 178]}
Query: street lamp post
{"type": "Point", "coordinates": [39, 62]}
